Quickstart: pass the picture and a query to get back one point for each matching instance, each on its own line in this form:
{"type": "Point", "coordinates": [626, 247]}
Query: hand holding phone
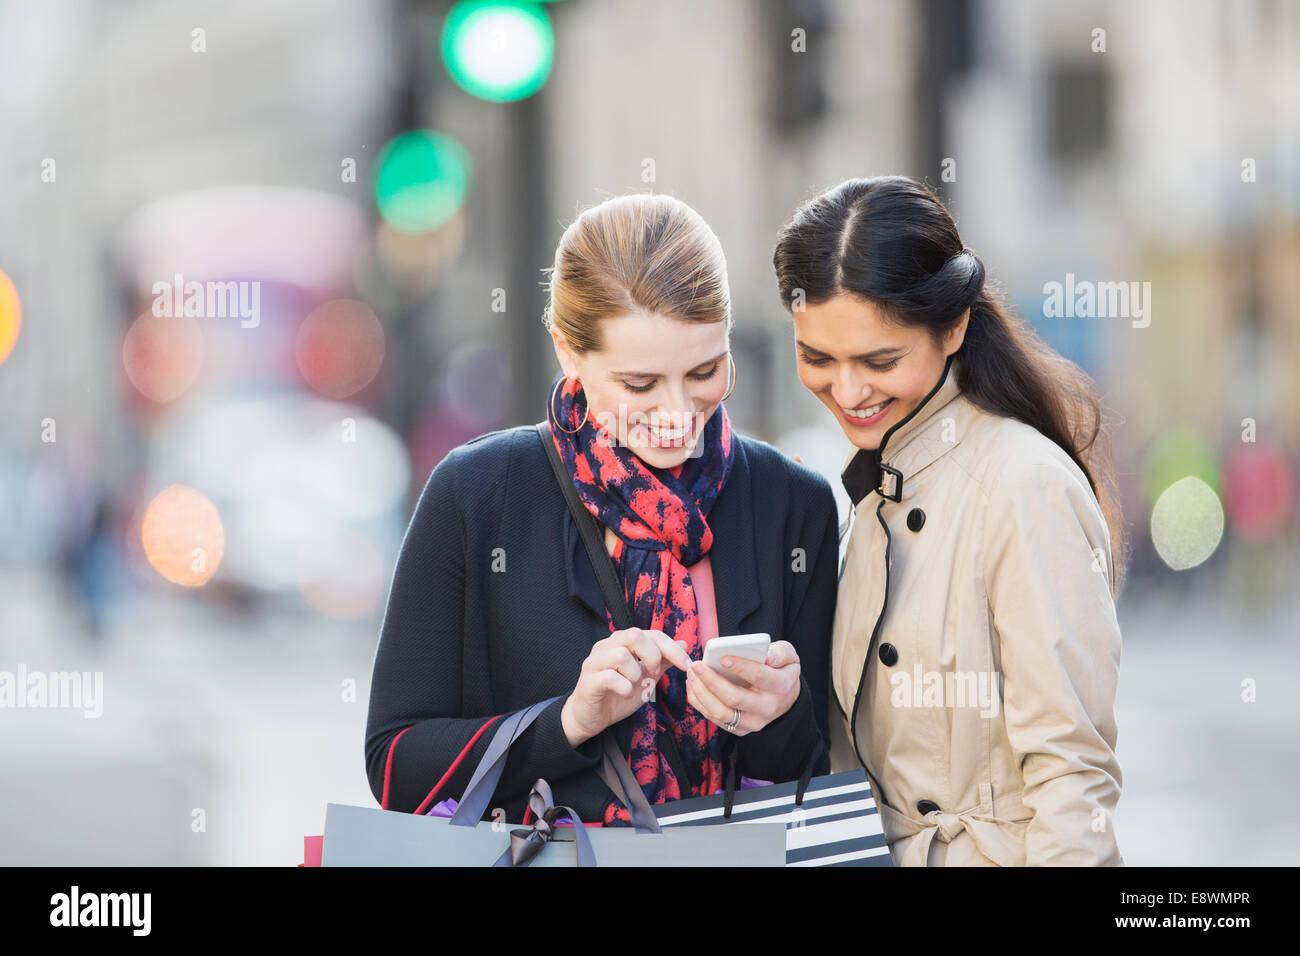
{"type": "Point", "coordinates": [749, 646]}
{"type": "Point", "coordinates": [739, 705]}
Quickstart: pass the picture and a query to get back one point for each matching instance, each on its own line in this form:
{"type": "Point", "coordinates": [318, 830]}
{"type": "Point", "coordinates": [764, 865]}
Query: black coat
{"type": "Point", "coordinates": [494, 606]}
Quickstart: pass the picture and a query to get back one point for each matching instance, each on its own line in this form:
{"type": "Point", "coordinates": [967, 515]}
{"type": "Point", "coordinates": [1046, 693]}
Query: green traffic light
{"type": "Point", "coordinates": [498, 51]}
{"type": "Point", "coordinates": [423, 179]}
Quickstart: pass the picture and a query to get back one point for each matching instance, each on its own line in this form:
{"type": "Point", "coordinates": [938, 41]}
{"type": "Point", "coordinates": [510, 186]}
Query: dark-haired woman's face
{"type": "Point", "coordinates": [869, 371]}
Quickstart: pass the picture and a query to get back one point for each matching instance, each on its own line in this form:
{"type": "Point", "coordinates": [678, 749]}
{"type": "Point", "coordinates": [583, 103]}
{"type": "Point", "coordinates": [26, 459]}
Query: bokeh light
{"type": "Point", "coordinates": [182, 536]}
{"type": "Point", "coordinates": [340, 347]}
{"type": "Point", "coordinates": [423, 179]}
{"type": "Point", "coordinates": [1257, 491]}
{"type": "Point", "coordinates": [10, 316]}
{"type": "Point", "coordinates": [1176, 453]}
{"type": "Point", "coordinates": [1186, 523]}
{"type": "Point", "coordinates": [162, 355]}
{"type": "Point", "coordinates": [498, 51]}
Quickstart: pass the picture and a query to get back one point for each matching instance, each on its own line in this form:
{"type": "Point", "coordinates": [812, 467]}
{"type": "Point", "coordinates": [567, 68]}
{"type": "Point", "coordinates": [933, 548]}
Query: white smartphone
{"type": "Point", "coordinates": [750, 646]}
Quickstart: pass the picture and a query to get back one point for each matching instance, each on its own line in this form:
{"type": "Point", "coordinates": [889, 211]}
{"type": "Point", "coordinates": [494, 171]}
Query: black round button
{"type": "Point", "coordinates": [926, 806]}
{"type": "Point", "coordinates": [915, 518]}
{"type": "Point", "coordinates": [888, 655]}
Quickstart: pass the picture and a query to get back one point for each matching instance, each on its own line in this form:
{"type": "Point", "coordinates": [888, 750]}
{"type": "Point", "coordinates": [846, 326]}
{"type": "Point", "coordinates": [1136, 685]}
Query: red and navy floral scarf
{"type": "Point", "coordinates": [661, 517]}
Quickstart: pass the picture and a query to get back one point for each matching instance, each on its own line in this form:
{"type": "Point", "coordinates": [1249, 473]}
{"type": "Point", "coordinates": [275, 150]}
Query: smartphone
{"type": "Point", "coordinates": [750, 646]}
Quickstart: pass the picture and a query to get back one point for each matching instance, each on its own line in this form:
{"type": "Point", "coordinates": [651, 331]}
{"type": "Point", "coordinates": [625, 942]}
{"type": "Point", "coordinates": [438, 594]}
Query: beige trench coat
{"type": "Point", "coordinates": [976, 651]}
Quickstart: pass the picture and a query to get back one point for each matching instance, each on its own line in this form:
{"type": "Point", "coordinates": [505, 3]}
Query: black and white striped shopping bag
{"type": "Point", "coordinates": [837, 825]}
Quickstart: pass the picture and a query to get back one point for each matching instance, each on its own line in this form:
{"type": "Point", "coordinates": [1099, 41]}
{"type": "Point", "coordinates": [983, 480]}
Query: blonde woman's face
{"type": "Point", "coordinates": [870, 372]}
{"type": "Point", "coordinates": [655, 384]}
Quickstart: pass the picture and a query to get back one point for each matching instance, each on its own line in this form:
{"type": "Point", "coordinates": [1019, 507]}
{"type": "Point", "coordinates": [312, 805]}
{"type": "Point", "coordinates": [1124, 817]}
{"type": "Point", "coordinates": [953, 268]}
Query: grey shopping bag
{"type": "Point", "coordinates": [368, 836]}
{"type": "Point", "coordinates": [365, 836]}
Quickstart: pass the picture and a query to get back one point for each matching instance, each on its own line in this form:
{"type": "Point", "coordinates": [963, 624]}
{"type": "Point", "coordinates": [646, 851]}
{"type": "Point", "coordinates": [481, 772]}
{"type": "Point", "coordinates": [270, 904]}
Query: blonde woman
{"type": "Point", "coordinates": [495, 606]}
{"type": "Point", "coordinates": [976, 649]}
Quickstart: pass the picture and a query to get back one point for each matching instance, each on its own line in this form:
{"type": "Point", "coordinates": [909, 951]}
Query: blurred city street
{"type": "Point", "coordinates": [245, 720]}
{"type": "Point", "coordinates": [264, 265]}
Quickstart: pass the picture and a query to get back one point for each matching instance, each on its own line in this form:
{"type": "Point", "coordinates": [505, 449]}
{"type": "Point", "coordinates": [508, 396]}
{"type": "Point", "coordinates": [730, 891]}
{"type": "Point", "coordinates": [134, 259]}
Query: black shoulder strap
{"type": "Point", "coordinates": [589, 528]}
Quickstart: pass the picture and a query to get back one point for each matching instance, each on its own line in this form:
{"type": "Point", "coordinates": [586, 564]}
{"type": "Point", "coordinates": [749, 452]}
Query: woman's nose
{"type": "Point", "coordinates": [677, 405]}
{"type": "Point", "coordinates": [850, 389]}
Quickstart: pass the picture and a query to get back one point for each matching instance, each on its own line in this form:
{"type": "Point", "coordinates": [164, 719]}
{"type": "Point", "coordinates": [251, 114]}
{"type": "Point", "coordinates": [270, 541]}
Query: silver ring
{"type": "Point", "coordinates": [731, 727]}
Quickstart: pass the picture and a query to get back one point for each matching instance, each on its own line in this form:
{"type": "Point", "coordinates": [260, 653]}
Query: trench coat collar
{"type": "Point", "coordinates": [906, 448]}
{"type": "Point", "coordinates": [732, 559]}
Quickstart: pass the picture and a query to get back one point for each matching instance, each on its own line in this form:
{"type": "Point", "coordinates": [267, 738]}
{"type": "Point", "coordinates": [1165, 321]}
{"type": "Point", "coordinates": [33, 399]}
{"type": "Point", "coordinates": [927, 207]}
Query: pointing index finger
{"type": "Point", "coordinates": [674, 651]}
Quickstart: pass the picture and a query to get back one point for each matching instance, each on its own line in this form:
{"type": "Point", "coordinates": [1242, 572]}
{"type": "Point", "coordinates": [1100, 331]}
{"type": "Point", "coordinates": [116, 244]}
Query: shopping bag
{"type": "Point", "coordinates": [836, 822]}
{"type": "Point", "coordinates": [311, 850]}
{"type": "Point", "coordinates": [366, 836]}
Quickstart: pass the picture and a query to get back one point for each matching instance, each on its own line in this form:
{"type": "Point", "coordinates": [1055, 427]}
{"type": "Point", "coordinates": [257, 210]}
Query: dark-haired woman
{"type": "Point", "coordinates": [976, 651]}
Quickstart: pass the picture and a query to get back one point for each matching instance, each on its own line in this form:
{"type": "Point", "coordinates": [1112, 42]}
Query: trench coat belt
{"type": "Point", "coordinates": [1002, 841]}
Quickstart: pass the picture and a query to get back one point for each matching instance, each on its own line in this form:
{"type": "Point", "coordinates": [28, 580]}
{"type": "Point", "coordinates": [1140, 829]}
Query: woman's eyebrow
{"type": "Point", "coordinates": [718, 357]}
{"type": "Point", "coordinates": [878, 353]}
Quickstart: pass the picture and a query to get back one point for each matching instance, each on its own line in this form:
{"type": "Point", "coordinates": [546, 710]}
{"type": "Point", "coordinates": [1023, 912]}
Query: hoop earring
{"type": "Point", "coordinates": [550, 412]}
{"type": "Point", "coordinates": [735, 376]}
